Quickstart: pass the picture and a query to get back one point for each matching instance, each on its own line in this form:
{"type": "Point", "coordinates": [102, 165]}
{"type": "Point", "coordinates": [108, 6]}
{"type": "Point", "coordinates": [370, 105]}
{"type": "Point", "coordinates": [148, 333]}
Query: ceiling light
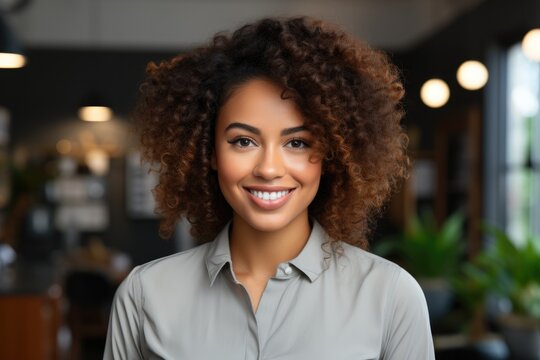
{"type": "Point", "coordinates": [531, 44]}
{"type": "Point", "coordinates": [472, 75]}
{"type": "Point", "coordinates": [10, 51]}
{"type": "Point", "coordinates": [435, 93]}
{"type": "Point", "coordinates": [95, 109]}
{"type": "Point", "coordinates": [11, 61]}
{"type": "Point", "coordinates": [95, 113]}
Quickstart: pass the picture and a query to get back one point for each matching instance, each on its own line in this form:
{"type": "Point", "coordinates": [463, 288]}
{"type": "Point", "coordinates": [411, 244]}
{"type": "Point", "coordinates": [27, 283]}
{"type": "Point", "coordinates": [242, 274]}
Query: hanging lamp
{"type": "Point", "coordinates": [435, 93]}
{"type": "Point", "coordinates": [11, 54]}
{"type": "Point", "coordinates": [472, 75]}
{"type": "Point", "coordinates": [95, 109]}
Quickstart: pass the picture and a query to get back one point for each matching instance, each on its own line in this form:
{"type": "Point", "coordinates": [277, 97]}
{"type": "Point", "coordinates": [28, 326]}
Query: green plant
{"type": "Point", "coordinates": [426, 250]}
{"type": "Point", "coordinates": [506, 269]}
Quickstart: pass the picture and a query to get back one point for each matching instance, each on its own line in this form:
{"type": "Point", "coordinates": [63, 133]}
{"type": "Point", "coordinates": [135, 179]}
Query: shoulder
{"type": "Point", "coordinates": [179, 261]}
{"type": "Point", "coordinates": [368, 263]}
{"type": "Point", "coordinates": [166, 270]}
{"type": "Point", "coordinates": [404, 312]}
{"type": "Point", "coordinates": [378, 270]}
{"type": "Point", "coordinates": [403, 309]}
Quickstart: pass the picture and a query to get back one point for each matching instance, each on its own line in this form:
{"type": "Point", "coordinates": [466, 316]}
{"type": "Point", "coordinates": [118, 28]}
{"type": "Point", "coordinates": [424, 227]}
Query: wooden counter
{"type": "Point", "coordinates": [30, 314]}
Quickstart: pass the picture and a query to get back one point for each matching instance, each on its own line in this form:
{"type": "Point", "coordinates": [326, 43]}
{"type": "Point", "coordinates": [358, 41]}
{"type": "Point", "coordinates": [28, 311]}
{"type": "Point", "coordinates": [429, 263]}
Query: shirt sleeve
{"type": "Point", "coordinates": [123, 335]}
{"type": "Point", "coordinates": [408, 336]}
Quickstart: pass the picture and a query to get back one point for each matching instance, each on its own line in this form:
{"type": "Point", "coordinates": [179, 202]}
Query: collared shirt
{"type": "Point", "coordinates": [318, 305]}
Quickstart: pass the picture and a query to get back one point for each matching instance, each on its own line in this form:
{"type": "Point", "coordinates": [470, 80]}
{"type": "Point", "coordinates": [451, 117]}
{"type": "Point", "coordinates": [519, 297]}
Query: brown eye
{"type": "Point", "coordinates": [297, 144]}
{"type": "Point", "coordinates": [242, 142]}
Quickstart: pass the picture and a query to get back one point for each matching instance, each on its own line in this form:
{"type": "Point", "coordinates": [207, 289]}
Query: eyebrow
{"type": "Point", "coordinates": [256, 131]}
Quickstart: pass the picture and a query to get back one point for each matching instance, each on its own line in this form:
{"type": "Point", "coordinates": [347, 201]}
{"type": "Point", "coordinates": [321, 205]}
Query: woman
{"type": "Point", "coordinates": [280, 144]}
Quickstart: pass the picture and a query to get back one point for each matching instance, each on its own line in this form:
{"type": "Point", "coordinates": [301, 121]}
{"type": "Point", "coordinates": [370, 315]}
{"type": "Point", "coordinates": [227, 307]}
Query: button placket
{"type": "Point", "coordinates": [269, 313]}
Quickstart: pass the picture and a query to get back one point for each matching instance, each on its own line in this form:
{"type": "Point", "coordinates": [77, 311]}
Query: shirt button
{"type": "Point", "coordinates": [288, 270]}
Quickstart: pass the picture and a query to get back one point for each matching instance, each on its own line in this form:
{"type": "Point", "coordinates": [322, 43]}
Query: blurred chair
{"type": "Point", "coordinates": [90, 295]}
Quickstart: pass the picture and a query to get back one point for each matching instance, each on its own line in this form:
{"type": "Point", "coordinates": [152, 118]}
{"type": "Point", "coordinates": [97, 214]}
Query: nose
{"type": "Point", "coordinates": [270, 164]}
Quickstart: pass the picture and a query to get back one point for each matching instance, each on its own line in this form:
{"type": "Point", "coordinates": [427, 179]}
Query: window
{"type": "Point", "coordinates": [522, 139]}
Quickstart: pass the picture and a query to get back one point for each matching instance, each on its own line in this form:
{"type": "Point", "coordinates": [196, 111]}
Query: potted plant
{"type": "Point", "coordinates": [512, 272]}
{"type": "Point", "coordinates": [431, 254]}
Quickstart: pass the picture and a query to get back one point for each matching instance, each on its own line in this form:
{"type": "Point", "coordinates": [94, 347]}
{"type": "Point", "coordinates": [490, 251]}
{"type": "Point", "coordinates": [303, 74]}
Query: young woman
{"type": "Point", "coordinates": [280, 144]}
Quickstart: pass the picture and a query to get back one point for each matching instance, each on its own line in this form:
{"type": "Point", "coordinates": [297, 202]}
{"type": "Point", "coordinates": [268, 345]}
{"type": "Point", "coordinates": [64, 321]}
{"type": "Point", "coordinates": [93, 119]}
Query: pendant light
{"type": "Point", "coordinates": [531, 44]}
{"type": "Point", "coordinates": [435, 93]}
{"type": "Point", "coordinates": [531, 41]}
{"type": "Point", "coordinates": [11, 55]}
{"type": "Point", "coordinates": [95, 109]}
{"type": "Point", "coordinates": [472, 75]}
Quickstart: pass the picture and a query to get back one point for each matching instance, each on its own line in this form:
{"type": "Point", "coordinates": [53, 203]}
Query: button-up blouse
{"type": "Point", "coordinates": [318, 305]}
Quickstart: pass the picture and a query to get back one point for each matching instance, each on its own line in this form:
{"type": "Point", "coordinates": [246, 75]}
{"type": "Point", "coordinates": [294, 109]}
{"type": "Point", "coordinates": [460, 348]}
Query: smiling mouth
{"type": "Point", "coordinates": [270, 195]}
{"type": "Point", "coordinates": [269, 200]}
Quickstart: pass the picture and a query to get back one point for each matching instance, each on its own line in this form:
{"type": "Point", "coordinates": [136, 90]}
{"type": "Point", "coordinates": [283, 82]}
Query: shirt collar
{"type": "Point", "coordinates": [310, 261]}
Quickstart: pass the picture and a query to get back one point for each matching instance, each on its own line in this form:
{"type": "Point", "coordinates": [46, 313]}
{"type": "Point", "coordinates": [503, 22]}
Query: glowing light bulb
{"type": "Point", "coordinates": [11, 61]}
{"type": "Point", "coordinates": [472, 75]}
{"type": "Point", "coordinates": [95, 113]}
{"type": "Point", "coordinates": [531, 44]}
{"type": "Point", "coordinates": [435, 93]}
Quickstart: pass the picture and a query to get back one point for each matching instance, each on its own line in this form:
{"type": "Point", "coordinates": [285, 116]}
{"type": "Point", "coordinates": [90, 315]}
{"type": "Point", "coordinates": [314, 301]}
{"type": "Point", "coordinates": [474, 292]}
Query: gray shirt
{"type": "Point", "coordinates": [191, 306]}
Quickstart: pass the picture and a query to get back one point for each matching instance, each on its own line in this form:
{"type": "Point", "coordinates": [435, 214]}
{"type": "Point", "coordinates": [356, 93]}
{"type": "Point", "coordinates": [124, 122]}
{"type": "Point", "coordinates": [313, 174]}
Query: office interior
{"type": "Point", "coordinates": [76, 208]}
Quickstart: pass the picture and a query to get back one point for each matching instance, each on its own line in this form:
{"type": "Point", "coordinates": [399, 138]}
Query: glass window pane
{"type": "Point", "coordinates": [523, 146]}
{"type": "Point", "coordinates": [519, 205]}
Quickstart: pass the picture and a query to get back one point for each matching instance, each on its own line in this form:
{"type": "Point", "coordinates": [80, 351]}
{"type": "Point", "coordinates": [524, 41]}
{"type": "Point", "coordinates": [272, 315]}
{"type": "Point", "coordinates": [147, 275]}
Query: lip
{"type": "Point", "coordinates": [268, 188]}
{"type": "Point", "coordinates": [269, 204]}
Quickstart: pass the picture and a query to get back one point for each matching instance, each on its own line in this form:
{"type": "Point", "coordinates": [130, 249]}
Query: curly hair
{"type": "Point", "coordinates": [349, 94]}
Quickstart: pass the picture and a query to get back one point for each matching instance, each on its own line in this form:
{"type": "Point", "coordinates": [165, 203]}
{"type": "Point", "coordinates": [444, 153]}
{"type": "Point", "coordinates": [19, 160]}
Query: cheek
{"type": "Point", "coordinates": [226, 175]}
{"type": "Point", "coordinates": [230, 168]}
{"type": "Point", "coordinates": [308, 172]}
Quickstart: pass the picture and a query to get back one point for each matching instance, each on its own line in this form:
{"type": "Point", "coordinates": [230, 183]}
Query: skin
{"type": "Point", "coordinates": [260, 239]}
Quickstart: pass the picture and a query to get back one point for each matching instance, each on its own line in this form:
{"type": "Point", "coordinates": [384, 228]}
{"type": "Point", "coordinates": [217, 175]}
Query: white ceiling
{"type": "Point", "coordinates": [178, 24]}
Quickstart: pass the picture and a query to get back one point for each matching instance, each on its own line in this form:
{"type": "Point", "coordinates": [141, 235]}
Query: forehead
{"type": "Point", "coordinates": [258, 102]}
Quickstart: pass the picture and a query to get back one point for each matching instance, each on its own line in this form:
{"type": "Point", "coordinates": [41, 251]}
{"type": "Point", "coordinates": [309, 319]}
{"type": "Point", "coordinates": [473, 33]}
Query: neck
{"type": "Point", "coordinates": [258, 253]}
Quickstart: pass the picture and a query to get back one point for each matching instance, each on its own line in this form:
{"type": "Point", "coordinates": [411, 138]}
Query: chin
{"type": "Point", "coordinates": [267, 222]}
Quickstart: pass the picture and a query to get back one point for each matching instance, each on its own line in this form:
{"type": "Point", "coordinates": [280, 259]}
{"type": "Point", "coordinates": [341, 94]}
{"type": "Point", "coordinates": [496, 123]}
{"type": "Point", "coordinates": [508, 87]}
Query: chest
{"type": "Point", "coordinates": [254, 289]}
{"type": "Point", "coordinates": [294, 319]}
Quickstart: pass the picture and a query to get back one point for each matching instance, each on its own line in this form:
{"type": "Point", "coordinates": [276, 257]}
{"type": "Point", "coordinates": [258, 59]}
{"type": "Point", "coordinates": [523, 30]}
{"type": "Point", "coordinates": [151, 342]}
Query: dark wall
{"type": "Point", "coordinates": [52, 85]}
{"type": "Point", "coordinates": [43, 98]}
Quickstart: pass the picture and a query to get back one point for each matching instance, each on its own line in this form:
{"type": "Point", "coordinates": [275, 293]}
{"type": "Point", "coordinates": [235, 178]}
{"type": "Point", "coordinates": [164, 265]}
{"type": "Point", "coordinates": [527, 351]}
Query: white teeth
{"type": "Point", "coordinates": [269, 195]}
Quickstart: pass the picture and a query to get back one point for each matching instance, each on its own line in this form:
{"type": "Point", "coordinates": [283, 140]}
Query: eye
{"type": "Point", "coordinates": [297, 144]}
{"type": "Point", "coordinates": [241, 142]}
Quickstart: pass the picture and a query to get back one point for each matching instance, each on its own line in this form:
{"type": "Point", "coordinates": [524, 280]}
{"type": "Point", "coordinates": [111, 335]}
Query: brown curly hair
{"type": "Point", "coordinates": [349, 94]}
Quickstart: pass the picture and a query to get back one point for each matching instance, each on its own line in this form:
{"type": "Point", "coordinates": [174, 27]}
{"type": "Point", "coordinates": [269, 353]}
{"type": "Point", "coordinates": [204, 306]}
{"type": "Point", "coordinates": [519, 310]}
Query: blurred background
{"type": "Point", "coordinates": [76, 212]}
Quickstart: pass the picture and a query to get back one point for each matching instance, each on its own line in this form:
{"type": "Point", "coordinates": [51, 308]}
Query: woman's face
{"type": "Point", "coordinates": [267, 169]}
